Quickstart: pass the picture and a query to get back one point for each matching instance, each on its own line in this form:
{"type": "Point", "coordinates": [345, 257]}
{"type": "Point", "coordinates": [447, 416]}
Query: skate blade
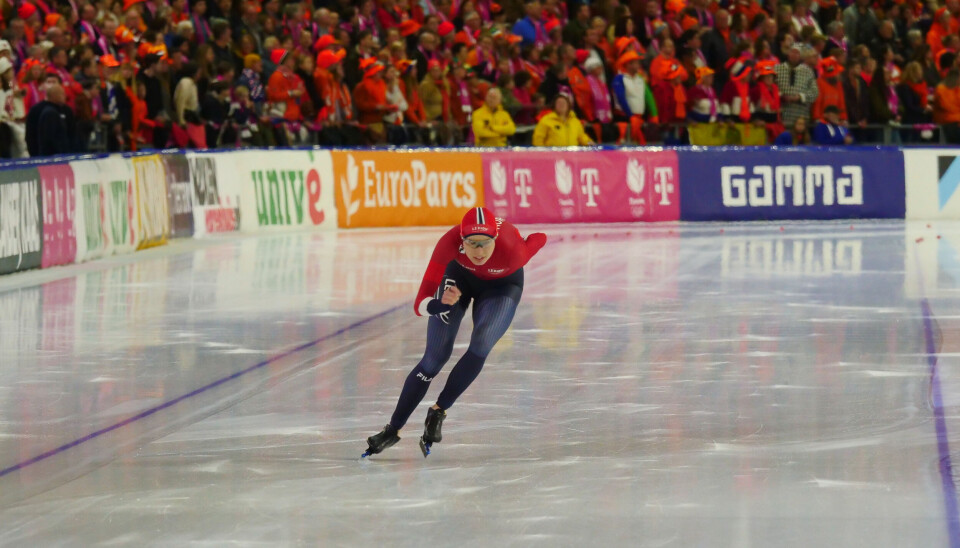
{"type": "Point", "coordinates": [425, 447]}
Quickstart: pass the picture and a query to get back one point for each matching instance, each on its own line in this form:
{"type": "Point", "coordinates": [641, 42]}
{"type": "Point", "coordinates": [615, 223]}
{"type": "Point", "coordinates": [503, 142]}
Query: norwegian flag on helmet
{"type": "Point", "coordinates": [479, 220]}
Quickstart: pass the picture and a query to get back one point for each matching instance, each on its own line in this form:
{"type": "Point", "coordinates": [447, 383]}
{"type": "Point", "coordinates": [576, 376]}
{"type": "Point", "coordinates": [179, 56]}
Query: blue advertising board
{"type": "Point", "coordinates": [752, 184]}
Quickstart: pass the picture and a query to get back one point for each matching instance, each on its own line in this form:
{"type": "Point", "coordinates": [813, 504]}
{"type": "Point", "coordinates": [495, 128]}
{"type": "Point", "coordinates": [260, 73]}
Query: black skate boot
{"type": "Point", "coordinates": [378, 442]}
{"type": "Point", "coordinates": [431, 429]}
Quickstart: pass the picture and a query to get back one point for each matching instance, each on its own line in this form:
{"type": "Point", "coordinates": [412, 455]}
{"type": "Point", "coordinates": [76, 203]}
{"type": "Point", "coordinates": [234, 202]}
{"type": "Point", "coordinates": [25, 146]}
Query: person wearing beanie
{"type": "Point", "coordinates": [250, 78]}
{"type": "Point", "coordinates": [829, 130]}
{"type": "Point", "coordinates": [285, 91]}
{"type": "Point", "coordinates": [480, 260]}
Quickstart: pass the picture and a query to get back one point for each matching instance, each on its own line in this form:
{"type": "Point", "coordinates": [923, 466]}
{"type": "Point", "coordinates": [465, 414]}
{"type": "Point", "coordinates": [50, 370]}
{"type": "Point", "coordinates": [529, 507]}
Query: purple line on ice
{"type": "Point", "coordinates": [943, 447]}
{"type": "Point", "coordinates": [198, 391]}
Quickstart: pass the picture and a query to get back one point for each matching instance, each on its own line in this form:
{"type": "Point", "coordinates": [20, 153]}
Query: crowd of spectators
{"type": "Point", "coordinates": [134, 74]}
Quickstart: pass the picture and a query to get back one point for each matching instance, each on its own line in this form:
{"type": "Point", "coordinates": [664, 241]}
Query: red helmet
{"type": "Point", "coordinates": [479, 220]}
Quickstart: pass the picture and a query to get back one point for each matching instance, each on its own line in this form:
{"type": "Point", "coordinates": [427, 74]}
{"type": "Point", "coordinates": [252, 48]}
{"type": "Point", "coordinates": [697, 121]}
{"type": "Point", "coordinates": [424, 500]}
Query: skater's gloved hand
{"type": "Point", "coordinates": [435, 307]}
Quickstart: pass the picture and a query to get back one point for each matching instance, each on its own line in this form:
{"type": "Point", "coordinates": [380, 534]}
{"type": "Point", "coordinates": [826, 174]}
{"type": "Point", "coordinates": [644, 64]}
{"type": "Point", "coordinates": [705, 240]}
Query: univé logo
{"type": "Point", "coordinates": [637, 183]}
{"type": "Point", "coordinates": [398, 183]}
{"type": "Point", "coordinates": [589, 179]}
{"type": "Point", "coordinates": [808, 186]}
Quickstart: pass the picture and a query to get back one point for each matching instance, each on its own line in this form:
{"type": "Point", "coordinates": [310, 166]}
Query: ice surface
{"type": "Point", "coordinates": [695, 385]}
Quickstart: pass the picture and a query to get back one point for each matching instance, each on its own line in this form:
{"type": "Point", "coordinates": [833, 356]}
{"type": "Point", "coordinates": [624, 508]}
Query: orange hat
{"type": "Point", "coordinates": [688, 22]}
{"type": "Point", "coordinates": [372, 70]}
{"type": "Point", "coordinates": [107, 61]}
{"type": "Point", "coordinates": [673, 70]}
{"type": "Point", "coordinates": [675, 6]}
{"type": "Point", "coordinates": [830, 66]}
{"type": "Point", "coordinates": [766, 68]}
{"type": "Point", "coordinates": [514, 38]}
{"type": "Point", "coordinates": [26, 10]}
{"type": "Point", "coordinates": [323, 42]}
{"type": "Point", "coordinates": [445, 28]}
{"type": "Point", "coordinates": [701, 72]}
{"type": "Point", "coordinates": [551, 24]}
{"type": "Point", "coordinates": [327, 58]}
{"type": "Point", "coordinates": [409, 27]}
{"type": "Point", "coordinates": [621, 44]}
{"type": "Point", "coordinates": [495, 8]}
{"type": "Point", "coordinates": [250, 59]}
{"type": "Point", "coordinates": [404, 65]}
{"type": "Point", "coordinates": [124, 35]}
{"type": "Point", "coordinates": [366, 62]}
{"type": "Point", "coordinates": [51, 19]}
{"type": "Point", "coordinates": [433, 63]}
{"type": "Point", "coordinates": [626, 58]}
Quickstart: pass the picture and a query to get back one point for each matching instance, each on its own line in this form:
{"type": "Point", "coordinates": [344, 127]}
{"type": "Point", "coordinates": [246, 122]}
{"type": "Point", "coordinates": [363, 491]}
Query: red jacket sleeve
{"type": "Point", "coordinates": [445, 251]}
{"type": "Point", "coordinates": [535, 243]}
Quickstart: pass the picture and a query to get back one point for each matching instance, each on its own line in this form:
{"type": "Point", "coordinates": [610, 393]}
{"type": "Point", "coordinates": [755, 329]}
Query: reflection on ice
{"type": "Point", "coordinates": [662, 386]}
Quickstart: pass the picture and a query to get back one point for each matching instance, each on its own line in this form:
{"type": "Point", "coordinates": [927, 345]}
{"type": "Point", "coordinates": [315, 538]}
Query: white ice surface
{"type": "Point", "coordinates": [695, 385]}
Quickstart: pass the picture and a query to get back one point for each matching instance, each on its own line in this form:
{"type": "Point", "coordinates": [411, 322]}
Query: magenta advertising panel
{"type": "Point", "coordinates": [582, 186]}
{"type": "Point", "coordinates": [59, 207]}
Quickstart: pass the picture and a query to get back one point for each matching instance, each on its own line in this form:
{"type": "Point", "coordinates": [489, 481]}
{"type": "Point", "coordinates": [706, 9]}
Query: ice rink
{"type": "Point", "coordinates": [662, 385]}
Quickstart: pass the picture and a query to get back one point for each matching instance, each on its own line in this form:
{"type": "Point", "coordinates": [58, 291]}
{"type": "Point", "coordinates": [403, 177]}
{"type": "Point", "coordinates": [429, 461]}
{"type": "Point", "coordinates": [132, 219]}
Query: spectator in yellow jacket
{"type": "Point", "coordinates": [491, 123]}
{"type": "Point", "coordinates": [560, 127]}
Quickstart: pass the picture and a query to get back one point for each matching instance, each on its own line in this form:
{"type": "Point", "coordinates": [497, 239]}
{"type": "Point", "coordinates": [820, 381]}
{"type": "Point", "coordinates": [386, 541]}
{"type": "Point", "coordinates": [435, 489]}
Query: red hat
{"type": "Point", "coordinates": [366, 62]}
{"type": "Point", "coordinates": [433, 63]}
{"type": "Point", "coordinates": [327, 58]}
{"type": "Point", "coordinates": [127, 4]}
{"type": "Point", "coordinates": [445, 28]}
{"type": "Point", "coordinates": [26, 10]}
{"type": "Point", "coordinates": [495, 8]}
{"type": "Point", "coordinates": [552, 24]}
{"type": "Point", "coordinates": [409, 27]}
{"type": "Point", "coordinates": [109, 61]}
{"type": "Point", "coordinates": [324, 41]}
{"type": "Point", "coordinates": [479, 220]}
{"type": "Point", "coordinates": [582, 56]}
{"type": "Point", "coordinates": [278, 56]}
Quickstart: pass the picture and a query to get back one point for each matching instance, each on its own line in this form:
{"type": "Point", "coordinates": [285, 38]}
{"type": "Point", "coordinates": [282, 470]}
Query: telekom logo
{"type": "Point", "coordinates": [522, 179]}
{"type": "Point", "coordinates": [663, 183]}
{"type": "Point", "coordinates": [588, 185]}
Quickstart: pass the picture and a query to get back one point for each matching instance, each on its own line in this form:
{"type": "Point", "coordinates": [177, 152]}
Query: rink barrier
{"type": "Point", "coordinates": [73, 209]}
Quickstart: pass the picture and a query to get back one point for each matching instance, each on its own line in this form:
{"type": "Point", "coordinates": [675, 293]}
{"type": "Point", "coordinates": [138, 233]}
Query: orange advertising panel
{"type": "Point", "coordinates": [406, 188]}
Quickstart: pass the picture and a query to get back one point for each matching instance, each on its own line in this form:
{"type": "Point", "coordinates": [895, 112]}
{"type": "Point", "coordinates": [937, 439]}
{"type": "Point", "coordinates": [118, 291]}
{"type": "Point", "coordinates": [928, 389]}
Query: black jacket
{"type": "Point", "coordinates": [50, 129]}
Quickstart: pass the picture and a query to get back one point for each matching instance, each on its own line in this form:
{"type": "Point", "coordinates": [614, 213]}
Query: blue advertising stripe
{"type": "Point", "coordinates": [949, 182]}
{"type": "Point", "coordinates": [749, 184]}
{"type": "Point", "coordinates": [170, 403]}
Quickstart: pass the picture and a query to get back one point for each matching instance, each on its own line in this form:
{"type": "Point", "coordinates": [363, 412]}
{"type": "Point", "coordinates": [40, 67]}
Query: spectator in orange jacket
{"type": "Point", "coordinates": [947, 106]}
{"type": "Point", "coordinates": [831, 90]}
{"type": "Point", "coordinates": [370, 96]}
{"type": "Point", "coordinates": [336, 115]}
{"type": "Point", "coordinates": [284, 89]}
